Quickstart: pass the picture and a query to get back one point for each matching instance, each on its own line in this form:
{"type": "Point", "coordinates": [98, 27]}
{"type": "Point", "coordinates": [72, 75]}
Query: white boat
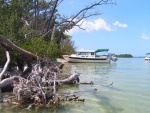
{"type": "Point", "coordinates": [89, 56]}
{"type": "Point", "coordinates": [114, 58]}
{"type": "Point", "coordinates": [147, 57]}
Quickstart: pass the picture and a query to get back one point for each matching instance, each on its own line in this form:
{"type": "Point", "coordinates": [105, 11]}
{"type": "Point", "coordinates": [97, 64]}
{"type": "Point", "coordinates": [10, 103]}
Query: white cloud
{"type": "Point", "coordinates": [89, 26]}
{"type": "Point", "coordinates": [120, 24]}
{"type": "Point", "coordinates": [145, 37]}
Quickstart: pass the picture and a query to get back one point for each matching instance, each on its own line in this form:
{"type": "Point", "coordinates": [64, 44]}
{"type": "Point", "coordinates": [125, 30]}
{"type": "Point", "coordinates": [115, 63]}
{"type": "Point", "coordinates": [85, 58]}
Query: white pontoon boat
{"type": "Point", "coordinates": [89, 56]}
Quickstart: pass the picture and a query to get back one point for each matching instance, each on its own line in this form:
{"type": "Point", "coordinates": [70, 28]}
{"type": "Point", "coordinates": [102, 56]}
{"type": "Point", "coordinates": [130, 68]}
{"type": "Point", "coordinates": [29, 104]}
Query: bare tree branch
{"type": "Point", "coordinates": [52, 14]}
{"type": "Point", "coordinates": [6, 65]}
{"type": "Point", "coordinates": [82, 14]}
{"type": "Point", "coordinates": [85, 10]}
{"type": "Point", "coordinates": [9, 80]}
{"type": "Point", "coordinates": [68, 23]}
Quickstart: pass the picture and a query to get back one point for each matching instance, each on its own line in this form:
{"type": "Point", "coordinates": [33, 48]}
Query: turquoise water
{"type": "Point", "coordinates": [130, 92]}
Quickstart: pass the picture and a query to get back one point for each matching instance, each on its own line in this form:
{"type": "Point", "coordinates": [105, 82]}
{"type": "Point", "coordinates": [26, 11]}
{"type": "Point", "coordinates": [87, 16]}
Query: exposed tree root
{"type": "Point", "coordinates": [39, 87]}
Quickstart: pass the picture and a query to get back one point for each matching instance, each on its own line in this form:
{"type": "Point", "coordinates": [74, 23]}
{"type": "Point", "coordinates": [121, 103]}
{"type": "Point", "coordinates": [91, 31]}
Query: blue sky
{"type": "Point", "coordinates": [123, 28]}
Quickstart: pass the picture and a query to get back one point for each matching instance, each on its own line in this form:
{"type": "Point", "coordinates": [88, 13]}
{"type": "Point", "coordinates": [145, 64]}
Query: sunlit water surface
{"type": "Point", "coordinates": [129, 93]}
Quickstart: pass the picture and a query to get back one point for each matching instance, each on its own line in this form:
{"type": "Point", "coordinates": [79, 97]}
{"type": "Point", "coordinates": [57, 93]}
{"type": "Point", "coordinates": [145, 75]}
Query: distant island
{"type": "Point", "coordinates": [124, 56]}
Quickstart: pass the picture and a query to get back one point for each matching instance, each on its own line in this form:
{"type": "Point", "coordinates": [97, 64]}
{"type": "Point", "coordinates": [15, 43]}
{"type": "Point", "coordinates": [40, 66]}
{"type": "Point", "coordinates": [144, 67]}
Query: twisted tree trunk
{"type": "Point", "coordinates": [5, 41]}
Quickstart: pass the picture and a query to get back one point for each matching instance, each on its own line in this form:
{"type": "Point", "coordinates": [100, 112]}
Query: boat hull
{"type": "Point", "coordinates": [86, 60]}
{"type": "Point", "coordinates": [147, 58]}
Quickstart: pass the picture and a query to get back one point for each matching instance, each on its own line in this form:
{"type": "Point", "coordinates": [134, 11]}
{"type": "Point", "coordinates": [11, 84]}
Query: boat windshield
{"type": "Point", "coordinates": [85, 53]}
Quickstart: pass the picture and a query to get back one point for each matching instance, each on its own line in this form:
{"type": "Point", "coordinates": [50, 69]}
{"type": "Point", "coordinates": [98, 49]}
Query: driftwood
{"type": "Point", "coordinates": [74, 78]}
{"type": "Point", "coordinates": [6, 65]}
{"type": "Point", "coordinates": [90, 83]}
{"type": "Point", "coordinates": [39, 87]}
{"type": "Point", "coordinates": [1, 74]}
{"type": "Point", "coordinates": [71, 97]}
{"type": "Point", "coordinates": [8, 81]}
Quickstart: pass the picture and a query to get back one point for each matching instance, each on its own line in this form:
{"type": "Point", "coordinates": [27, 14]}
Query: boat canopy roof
{"type": "Point", "coordinates": [101, 50]}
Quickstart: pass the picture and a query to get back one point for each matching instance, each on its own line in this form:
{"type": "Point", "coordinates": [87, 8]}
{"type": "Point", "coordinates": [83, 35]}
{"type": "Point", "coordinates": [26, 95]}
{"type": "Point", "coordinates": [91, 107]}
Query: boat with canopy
{"type": "Point", "coordinates": [89, 56]}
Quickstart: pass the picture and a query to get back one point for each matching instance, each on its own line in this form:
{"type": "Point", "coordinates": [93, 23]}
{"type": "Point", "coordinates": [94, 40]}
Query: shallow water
{"type": "Point", "coordinates": [130, 92]}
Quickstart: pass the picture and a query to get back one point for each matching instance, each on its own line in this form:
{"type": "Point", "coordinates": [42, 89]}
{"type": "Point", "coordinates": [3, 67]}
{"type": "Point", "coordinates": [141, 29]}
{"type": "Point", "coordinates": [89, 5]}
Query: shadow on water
{"type": "Point", "coordinates": [107, 105]}
{"type": "Point", "coordinates": [96, 72]}
{"type": "Point", "coordinates": [89, 68]}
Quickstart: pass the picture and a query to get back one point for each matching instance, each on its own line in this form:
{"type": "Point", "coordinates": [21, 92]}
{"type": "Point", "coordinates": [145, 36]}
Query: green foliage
{"type": "Point", "coordinates": [10, 17]}
{"type": "Point", "coordinates": [124, 56]}
{"type": "Point", "coordinates": [25, 36]}
{"type": "Point", "coordinates": [67, 45]}
{"type": "Point", "coordinates": [41, 48]}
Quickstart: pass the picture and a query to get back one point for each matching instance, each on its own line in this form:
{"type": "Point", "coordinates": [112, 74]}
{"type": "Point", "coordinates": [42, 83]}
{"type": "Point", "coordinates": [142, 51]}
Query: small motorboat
{"type": "Point", "coordinates": [147, 57]}
{"type": "Point", "coordinates": [114, 58]}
